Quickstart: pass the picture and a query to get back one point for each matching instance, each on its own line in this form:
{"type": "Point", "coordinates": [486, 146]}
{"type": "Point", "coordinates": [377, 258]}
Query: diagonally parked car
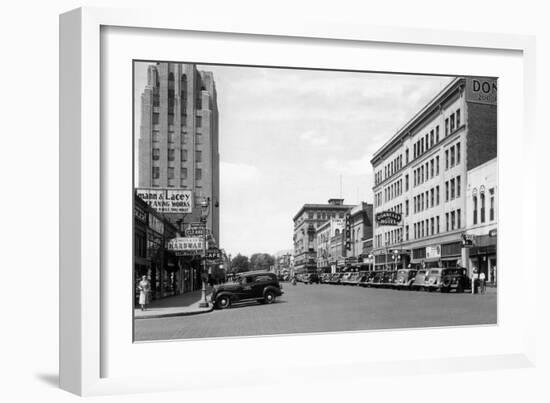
{"type": "Point", "coordinates": [405, 279]}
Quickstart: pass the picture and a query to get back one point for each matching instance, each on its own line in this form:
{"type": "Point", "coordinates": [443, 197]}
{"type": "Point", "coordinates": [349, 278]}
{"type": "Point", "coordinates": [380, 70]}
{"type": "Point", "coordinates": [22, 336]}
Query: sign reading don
{"type": "Point", "coordinates": [481, 90]}
{"type": "Point", "coordinates": [167, 200]}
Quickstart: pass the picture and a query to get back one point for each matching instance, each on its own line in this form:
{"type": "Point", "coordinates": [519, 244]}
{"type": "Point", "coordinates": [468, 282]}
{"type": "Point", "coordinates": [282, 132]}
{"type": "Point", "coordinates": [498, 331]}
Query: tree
{"type": "Point", "coordinates": [261, 261]}
{"type": "Point", "coordinates": [240, 263]}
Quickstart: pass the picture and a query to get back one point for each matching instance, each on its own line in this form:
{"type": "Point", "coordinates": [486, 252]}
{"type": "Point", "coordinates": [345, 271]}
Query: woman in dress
{"type": "Point", "coordinates": [144, 288]}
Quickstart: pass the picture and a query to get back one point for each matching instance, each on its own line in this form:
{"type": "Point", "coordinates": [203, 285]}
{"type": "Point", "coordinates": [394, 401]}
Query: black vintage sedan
{"type": "Point", "coordinates": [261, 286]}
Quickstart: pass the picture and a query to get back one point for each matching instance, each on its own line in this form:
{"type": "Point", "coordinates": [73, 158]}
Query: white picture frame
{"type": "Point", "coordinates": [83, 299]}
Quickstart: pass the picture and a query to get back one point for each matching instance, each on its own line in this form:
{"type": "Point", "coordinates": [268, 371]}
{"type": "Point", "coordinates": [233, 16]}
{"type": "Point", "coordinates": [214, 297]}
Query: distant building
{"type": "Point", "coordinates": [178, 135]}
{"type": "Point", "coordinates": [306, 221]}
{"type": "Point", "coordinates": [422, 173]}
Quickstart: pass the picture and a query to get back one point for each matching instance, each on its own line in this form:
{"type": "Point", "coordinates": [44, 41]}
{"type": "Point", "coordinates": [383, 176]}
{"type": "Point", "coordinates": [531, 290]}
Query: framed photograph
{"type": "Point", "coordinates": [232, 191]}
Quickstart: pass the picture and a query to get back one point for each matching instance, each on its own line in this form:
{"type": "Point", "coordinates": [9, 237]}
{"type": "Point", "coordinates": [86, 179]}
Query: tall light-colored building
{"type": "Point", "coordinates": [422, 173]}
{"type": "Point", "coordinates": [178, 135]}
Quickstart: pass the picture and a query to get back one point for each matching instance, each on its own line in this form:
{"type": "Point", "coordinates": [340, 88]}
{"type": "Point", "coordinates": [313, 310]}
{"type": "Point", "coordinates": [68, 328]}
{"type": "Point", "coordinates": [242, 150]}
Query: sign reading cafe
{"type": "Point", "coordinates": [167, 200]}
{"type": "Point", "coordinates": [388, 218]}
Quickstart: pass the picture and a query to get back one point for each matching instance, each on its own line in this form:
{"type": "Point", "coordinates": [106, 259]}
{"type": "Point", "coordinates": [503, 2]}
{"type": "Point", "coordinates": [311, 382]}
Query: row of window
{"type": "Point", "coordinates": [452, 188]}
{"type": "Point", "coordinates": [421, 146]}
{"type": "Point", "coordinates": [394, 190]}
{"type": "Point", "coordinates": [454, 153]}
{"type": "Point", "coordinates": [426, 171]}
{"type": "Point", "coordinates": [171, 119]}
{"type": "Point", "coordinates": [171, 173]}
{"type": "Point", "coordinates": [172, 155]}
{"type": "Point", "coordinates": [424, 143]}
{"type": "Point", "coordinates": [452, 122]}
{"type": "Point", "coordinates": [172, 136]}
{"type": "Point", "coordinates": [481, 211]}
{"type": "Point", "coordinates": [425, 200]}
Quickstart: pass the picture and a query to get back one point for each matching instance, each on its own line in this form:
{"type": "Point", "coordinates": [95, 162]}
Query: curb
{"type": "Point", "coordinates": [173, 314]}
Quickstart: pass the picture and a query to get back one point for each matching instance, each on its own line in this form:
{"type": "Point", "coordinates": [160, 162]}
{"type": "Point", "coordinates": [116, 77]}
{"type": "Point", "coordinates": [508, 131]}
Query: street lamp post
{"type": "Point", "coordinates": [205, 205]}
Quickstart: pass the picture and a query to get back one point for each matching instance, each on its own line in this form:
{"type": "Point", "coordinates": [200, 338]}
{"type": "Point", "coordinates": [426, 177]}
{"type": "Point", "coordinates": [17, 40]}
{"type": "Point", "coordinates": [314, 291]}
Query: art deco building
{"type": "Point", "coordinates": [422, 172]}
{"type": "Point", "coordinates": [178, 135]}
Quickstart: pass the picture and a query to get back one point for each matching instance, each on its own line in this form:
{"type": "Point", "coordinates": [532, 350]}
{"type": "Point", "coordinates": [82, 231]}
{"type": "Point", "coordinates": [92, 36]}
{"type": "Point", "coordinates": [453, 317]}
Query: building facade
{"type": "Point", "coordinates": [421, 173]}
{"type": "Point", "coordinates": [306, 222]}
{"type": "Point", "coordinates": [178, 143]}
{"type": "Point", "coordinates": [328, 245]}
{"type": "Point", "coordinates": [482, 218]}
{"type": "Point", "coordinates": [167, 274]}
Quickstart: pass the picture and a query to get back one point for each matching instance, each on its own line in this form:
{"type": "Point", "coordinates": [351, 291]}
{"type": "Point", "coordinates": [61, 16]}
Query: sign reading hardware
{"type": "Point", "coordinates": [185, 244]}
{"type": "Point", "coordinates": [388, 218]}
{"type": "Point", "coordinates": [167, 200]}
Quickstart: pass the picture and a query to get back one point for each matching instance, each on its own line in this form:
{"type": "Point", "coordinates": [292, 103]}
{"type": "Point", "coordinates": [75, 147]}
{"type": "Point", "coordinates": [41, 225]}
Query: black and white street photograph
{"type": "Point", "coordinates": [276, 201]}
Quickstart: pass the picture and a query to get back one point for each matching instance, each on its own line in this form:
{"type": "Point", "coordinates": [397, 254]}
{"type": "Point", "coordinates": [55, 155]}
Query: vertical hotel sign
{"type": "Point", "coordinates": [167, 200]}
{"type": "Point", "coordinates": [481, 90]}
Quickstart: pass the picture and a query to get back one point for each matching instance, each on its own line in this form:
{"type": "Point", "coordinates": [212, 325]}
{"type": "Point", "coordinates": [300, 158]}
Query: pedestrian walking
{"type": "Point", "coordinates": [482, 282]}
{"type": "Point", "coordinates": [474, 280]}
{"type": "Point", "coordinates": [144, 287]}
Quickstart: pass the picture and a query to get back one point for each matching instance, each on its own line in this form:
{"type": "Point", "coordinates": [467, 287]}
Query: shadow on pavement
{"type": "Point", "coordinates": [50, 379]}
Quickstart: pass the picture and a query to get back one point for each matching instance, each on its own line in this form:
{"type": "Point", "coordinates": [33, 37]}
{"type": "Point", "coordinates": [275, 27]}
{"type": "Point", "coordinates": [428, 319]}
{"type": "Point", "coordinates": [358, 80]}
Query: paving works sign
{"type": "Point", "coordinates": [388, 218]}
{"type": "Point", "coordinates": [167, 200]}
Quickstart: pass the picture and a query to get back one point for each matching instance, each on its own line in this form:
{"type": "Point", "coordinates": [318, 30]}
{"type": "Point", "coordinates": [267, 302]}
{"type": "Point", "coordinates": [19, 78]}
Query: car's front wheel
{"type": "Point", "coordinates": [269, 297]}
{"type": "Point", "coordinates": [223, 302]}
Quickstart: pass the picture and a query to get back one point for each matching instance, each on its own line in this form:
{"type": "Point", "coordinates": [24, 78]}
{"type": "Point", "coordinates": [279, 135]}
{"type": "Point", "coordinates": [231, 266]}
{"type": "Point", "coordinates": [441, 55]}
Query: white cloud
{"type": "Point", "coordinates": [314, 138]}
{"type": "Point", "coordinates": [234, 175]}
{"type": "Point", "coordinates": [358, 166]}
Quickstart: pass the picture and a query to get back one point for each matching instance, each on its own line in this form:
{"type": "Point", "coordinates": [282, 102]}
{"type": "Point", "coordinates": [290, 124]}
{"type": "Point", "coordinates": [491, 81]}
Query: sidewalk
{"type": "Point", "coordinates": [178, 305]}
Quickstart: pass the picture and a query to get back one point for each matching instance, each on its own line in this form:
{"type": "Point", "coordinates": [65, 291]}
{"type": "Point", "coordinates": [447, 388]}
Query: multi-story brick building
{"type": "Point", "coordinates": [178, 143]}
{"type": "Point", "coordinates": [306, 222]}
{"type": "Point", "coordinates": [421, 173]}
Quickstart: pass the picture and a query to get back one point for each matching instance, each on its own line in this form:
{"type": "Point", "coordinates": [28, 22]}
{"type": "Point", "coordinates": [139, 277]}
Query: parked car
{"type": "Point", "coordinates": [447, 279]}
{"type": "Point", "coordinates": [325, 278]}
{"type": "Point", "coordinates": [335, 278]}
{"type": "Point", "coordinates": [311, 278]}
{"type": "Point", "coordinates": [345, 278]}
{"type": "Point", "coordinates": [389, 278]}
{"type": "Point", "coordinates": [405, 278]}
{"type": "Point", "coordinates": [367, 280]}
{"type": "Point", "coordinates": [357, 278]}
{"type": "Point", "coordinates": [261, 286]}
{"type": "Point", "coordinates": [420, 280]}
{"type": "Point", "coordinates": [378, 278]}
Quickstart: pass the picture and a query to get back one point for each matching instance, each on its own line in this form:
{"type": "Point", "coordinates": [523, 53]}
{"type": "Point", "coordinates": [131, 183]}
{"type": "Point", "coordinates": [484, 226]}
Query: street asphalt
{"type": "Point", "coordinates": [327, 308]}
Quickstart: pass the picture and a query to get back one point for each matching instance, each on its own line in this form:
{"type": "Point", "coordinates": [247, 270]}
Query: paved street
{"type": "Point", "coordinates": [317, 308]}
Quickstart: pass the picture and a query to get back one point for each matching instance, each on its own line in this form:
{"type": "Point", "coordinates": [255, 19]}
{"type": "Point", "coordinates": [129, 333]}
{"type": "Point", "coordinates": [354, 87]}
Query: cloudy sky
{"type": "Point", "coordinates": [288, 136]}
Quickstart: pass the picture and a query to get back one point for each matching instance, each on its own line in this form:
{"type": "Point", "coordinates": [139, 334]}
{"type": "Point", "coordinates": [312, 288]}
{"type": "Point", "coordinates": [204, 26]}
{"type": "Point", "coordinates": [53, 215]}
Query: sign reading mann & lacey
{"type": "Point", "coordinates": [186, 245]}
{"type": "Point", "coordinates": [481, 90]}
{"type": "Point", "coordinates": [167, 200]}
{"type": "Point", "coordinates": [388, 218]}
